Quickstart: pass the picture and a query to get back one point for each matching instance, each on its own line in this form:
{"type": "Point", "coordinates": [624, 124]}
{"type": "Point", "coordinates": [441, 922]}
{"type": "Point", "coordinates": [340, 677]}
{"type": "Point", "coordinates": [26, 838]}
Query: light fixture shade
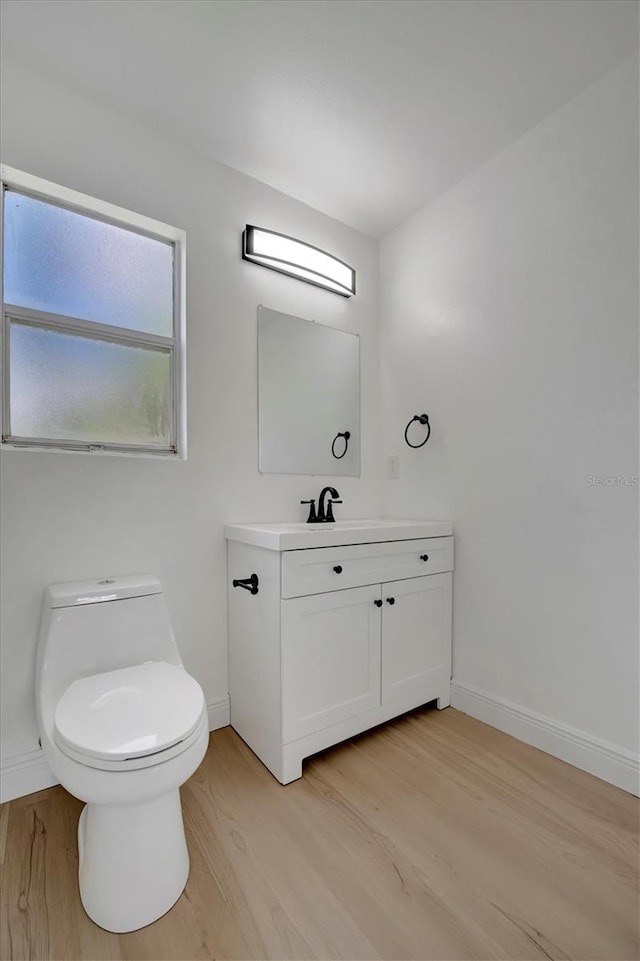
{"type": "Point", "coordinates": [297, 259]}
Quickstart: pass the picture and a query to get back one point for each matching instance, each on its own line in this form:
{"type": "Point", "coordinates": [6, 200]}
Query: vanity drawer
{"type": "Point", "coordinates": [322, 569]}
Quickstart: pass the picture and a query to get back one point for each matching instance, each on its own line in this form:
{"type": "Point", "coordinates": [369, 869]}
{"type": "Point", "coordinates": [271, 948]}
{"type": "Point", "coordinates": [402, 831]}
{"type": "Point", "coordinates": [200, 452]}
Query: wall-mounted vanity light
{"type": "Point", "coordinates": [297, 259]}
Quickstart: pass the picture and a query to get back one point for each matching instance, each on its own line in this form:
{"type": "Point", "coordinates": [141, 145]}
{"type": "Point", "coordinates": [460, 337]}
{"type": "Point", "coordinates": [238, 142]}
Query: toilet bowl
{"type": "Point", "coordinates": [122, 726]}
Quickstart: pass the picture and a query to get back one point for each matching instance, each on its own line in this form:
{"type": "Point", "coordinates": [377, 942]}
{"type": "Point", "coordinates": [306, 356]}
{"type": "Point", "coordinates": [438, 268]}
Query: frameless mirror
{"type": "Point", "coordinates": [308, 397]}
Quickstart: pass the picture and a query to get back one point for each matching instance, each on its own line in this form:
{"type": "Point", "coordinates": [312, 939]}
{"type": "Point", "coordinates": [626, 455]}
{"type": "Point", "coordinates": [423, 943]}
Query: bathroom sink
{"type": "Point", "coordinates": [288, 536]}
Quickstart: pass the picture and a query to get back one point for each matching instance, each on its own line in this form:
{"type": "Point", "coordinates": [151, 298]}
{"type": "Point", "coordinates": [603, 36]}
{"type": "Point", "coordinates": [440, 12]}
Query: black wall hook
{"type": "Point", "coordinates": [248, 583]}
{"type": "Point", "coordinates": [423, 419]}
{"type": "Point", "coordinates": [346, 434]}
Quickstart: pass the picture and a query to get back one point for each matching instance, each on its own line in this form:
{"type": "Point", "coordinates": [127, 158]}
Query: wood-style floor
{"type": "Point", "coordinates": [432, 837]}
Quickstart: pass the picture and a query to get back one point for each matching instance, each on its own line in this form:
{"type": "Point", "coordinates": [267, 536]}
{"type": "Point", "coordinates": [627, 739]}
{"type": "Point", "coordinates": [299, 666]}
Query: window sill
{"type": "Point", "coordinates": [106, 452]}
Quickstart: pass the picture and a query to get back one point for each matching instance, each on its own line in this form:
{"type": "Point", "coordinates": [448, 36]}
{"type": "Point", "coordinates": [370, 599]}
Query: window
{"type": "Point", "coordinates": [92, 323]}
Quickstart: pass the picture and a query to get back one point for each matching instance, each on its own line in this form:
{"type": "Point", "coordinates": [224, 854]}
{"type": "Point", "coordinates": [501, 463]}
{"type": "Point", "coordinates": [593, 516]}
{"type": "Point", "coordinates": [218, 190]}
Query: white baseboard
{"type": "Point", "coordinates": [219, 713]}
{"type": "Point", "coordinates": [25, 773]}
{"type": "Point", "coordinates": [607, 761]}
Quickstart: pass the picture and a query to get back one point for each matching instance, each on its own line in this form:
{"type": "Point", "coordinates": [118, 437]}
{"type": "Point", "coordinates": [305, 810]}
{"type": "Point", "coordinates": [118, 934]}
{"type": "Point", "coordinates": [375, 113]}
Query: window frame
{"type": "Point", "coordinates": [57, 195]}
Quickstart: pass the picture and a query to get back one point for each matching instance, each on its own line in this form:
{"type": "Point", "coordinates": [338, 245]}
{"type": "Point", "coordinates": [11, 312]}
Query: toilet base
{"type": "Point", "coordinates": [134, 862]}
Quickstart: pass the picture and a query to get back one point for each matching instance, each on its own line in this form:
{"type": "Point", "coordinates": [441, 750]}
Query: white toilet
{"type": "Point", "coordinates": [122, 726]}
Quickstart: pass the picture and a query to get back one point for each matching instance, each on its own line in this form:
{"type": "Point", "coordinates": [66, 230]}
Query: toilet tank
{"type": "Point", "coordinates": [88, 627]}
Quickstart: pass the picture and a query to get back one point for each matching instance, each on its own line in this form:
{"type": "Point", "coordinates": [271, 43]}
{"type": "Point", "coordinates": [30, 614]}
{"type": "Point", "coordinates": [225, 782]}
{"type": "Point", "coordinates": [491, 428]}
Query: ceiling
{"type": "Point", "coordinates": [364, 109]}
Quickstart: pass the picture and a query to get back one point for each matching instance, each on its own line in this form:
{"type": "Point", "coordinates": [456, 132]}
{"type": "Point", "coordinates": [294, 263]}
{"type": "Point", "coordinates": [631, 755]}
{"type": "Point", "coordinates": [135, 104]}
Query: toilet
{"type": "Point", "coordinates": [122, 726]}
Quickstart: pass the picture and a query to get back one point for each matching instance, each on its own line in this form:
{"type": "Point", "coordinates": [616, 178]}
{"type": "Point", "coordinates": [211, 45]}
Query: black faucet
{"type": "Point", "coordinates": [311, 519]}
{"type": "Point", "coordinates": [326, 516]}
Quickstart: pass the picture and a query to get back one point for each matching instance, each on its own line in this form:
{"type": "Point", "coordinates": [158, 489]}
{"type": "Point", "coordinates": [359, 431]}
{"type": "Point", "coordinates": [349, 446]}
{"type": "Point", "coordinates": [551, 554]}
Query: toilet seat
{"type": "Point", "coordinates": [130, 718]}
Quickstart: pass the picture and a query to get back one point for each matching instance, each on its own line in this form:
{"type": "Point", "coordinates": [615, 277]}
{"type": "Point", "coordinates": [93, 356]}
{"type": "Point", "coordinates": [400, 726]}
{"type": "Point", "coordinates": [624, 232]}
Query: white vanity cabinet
{"type": "Point", "coordinates": [330, 659]}
{"type": "Point", "coordinates": [338, 638]}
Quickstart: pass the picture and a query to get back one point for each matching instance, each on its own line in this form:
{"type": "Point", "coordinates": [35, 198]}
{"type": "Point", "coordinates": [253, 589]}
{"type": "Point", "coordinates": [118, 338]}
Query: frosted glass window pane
{"type": "Point", "coordinates": [75, 388]}
{"type": "Point", "coordinates": [66, 263]}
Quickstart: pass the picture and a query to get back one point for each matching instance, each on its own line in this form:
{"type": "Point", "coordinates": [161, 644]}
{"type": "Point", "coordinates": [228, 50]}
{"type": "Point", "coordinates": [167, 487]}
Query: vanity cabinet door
{"type": "Point", "coordinates": [416, 639]}
{"type": "Point", "coordinates": [330, 658]}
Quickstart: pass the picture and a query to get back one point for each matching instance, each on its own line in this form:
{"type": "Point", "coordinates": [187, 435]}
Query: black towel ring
{"type": "Point", "coordinates": [423, 419]}
{"type": "Point", "coordinates": [346, 434]}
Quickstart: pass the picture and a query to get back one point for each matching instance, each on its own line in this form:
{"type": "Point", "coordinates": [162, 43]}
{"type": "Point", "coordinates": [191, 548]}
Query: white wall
{"type": "Point", "coordinates": [509, 313]}
{"type": "Point", "coordinates": [68, 516]}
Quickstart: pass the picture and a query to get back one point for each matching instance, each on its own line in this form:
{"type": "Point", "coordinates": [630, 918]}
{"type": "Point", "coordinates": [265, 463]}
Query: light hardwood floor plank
{"type": "Point", "coordinates": [493, 839]}
{"type": "Point", "coordinates": [271, 869]}
{"type": "Point", "coordinates": [432, 837]}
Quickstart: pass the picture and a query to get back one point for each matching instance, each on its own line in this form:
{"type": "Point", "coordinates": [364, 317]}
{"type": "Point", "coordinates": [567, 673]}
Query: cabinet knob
{"type": "Point", "coordinates": [378, 602]}
{"type": "Point", "coordinates": [338, 568]}
{"type": "Point", "coordinates": [424, 557]}
{"type": "Point", "coordinates": [391, 600]}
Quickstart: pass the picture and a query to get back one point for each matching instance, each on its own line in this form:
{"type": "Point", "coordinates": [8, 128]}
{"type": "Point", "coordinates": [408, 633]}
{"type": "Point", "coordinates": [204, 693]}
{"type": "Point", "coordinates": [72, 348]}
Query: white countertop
{"type": "Point", "coordinates": [299, 536]}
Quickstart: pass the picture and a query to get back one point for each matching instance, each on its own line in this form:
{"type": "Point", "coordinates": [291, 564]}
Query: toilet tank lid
{"type": "Point", "coordinates": [80, 593]}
